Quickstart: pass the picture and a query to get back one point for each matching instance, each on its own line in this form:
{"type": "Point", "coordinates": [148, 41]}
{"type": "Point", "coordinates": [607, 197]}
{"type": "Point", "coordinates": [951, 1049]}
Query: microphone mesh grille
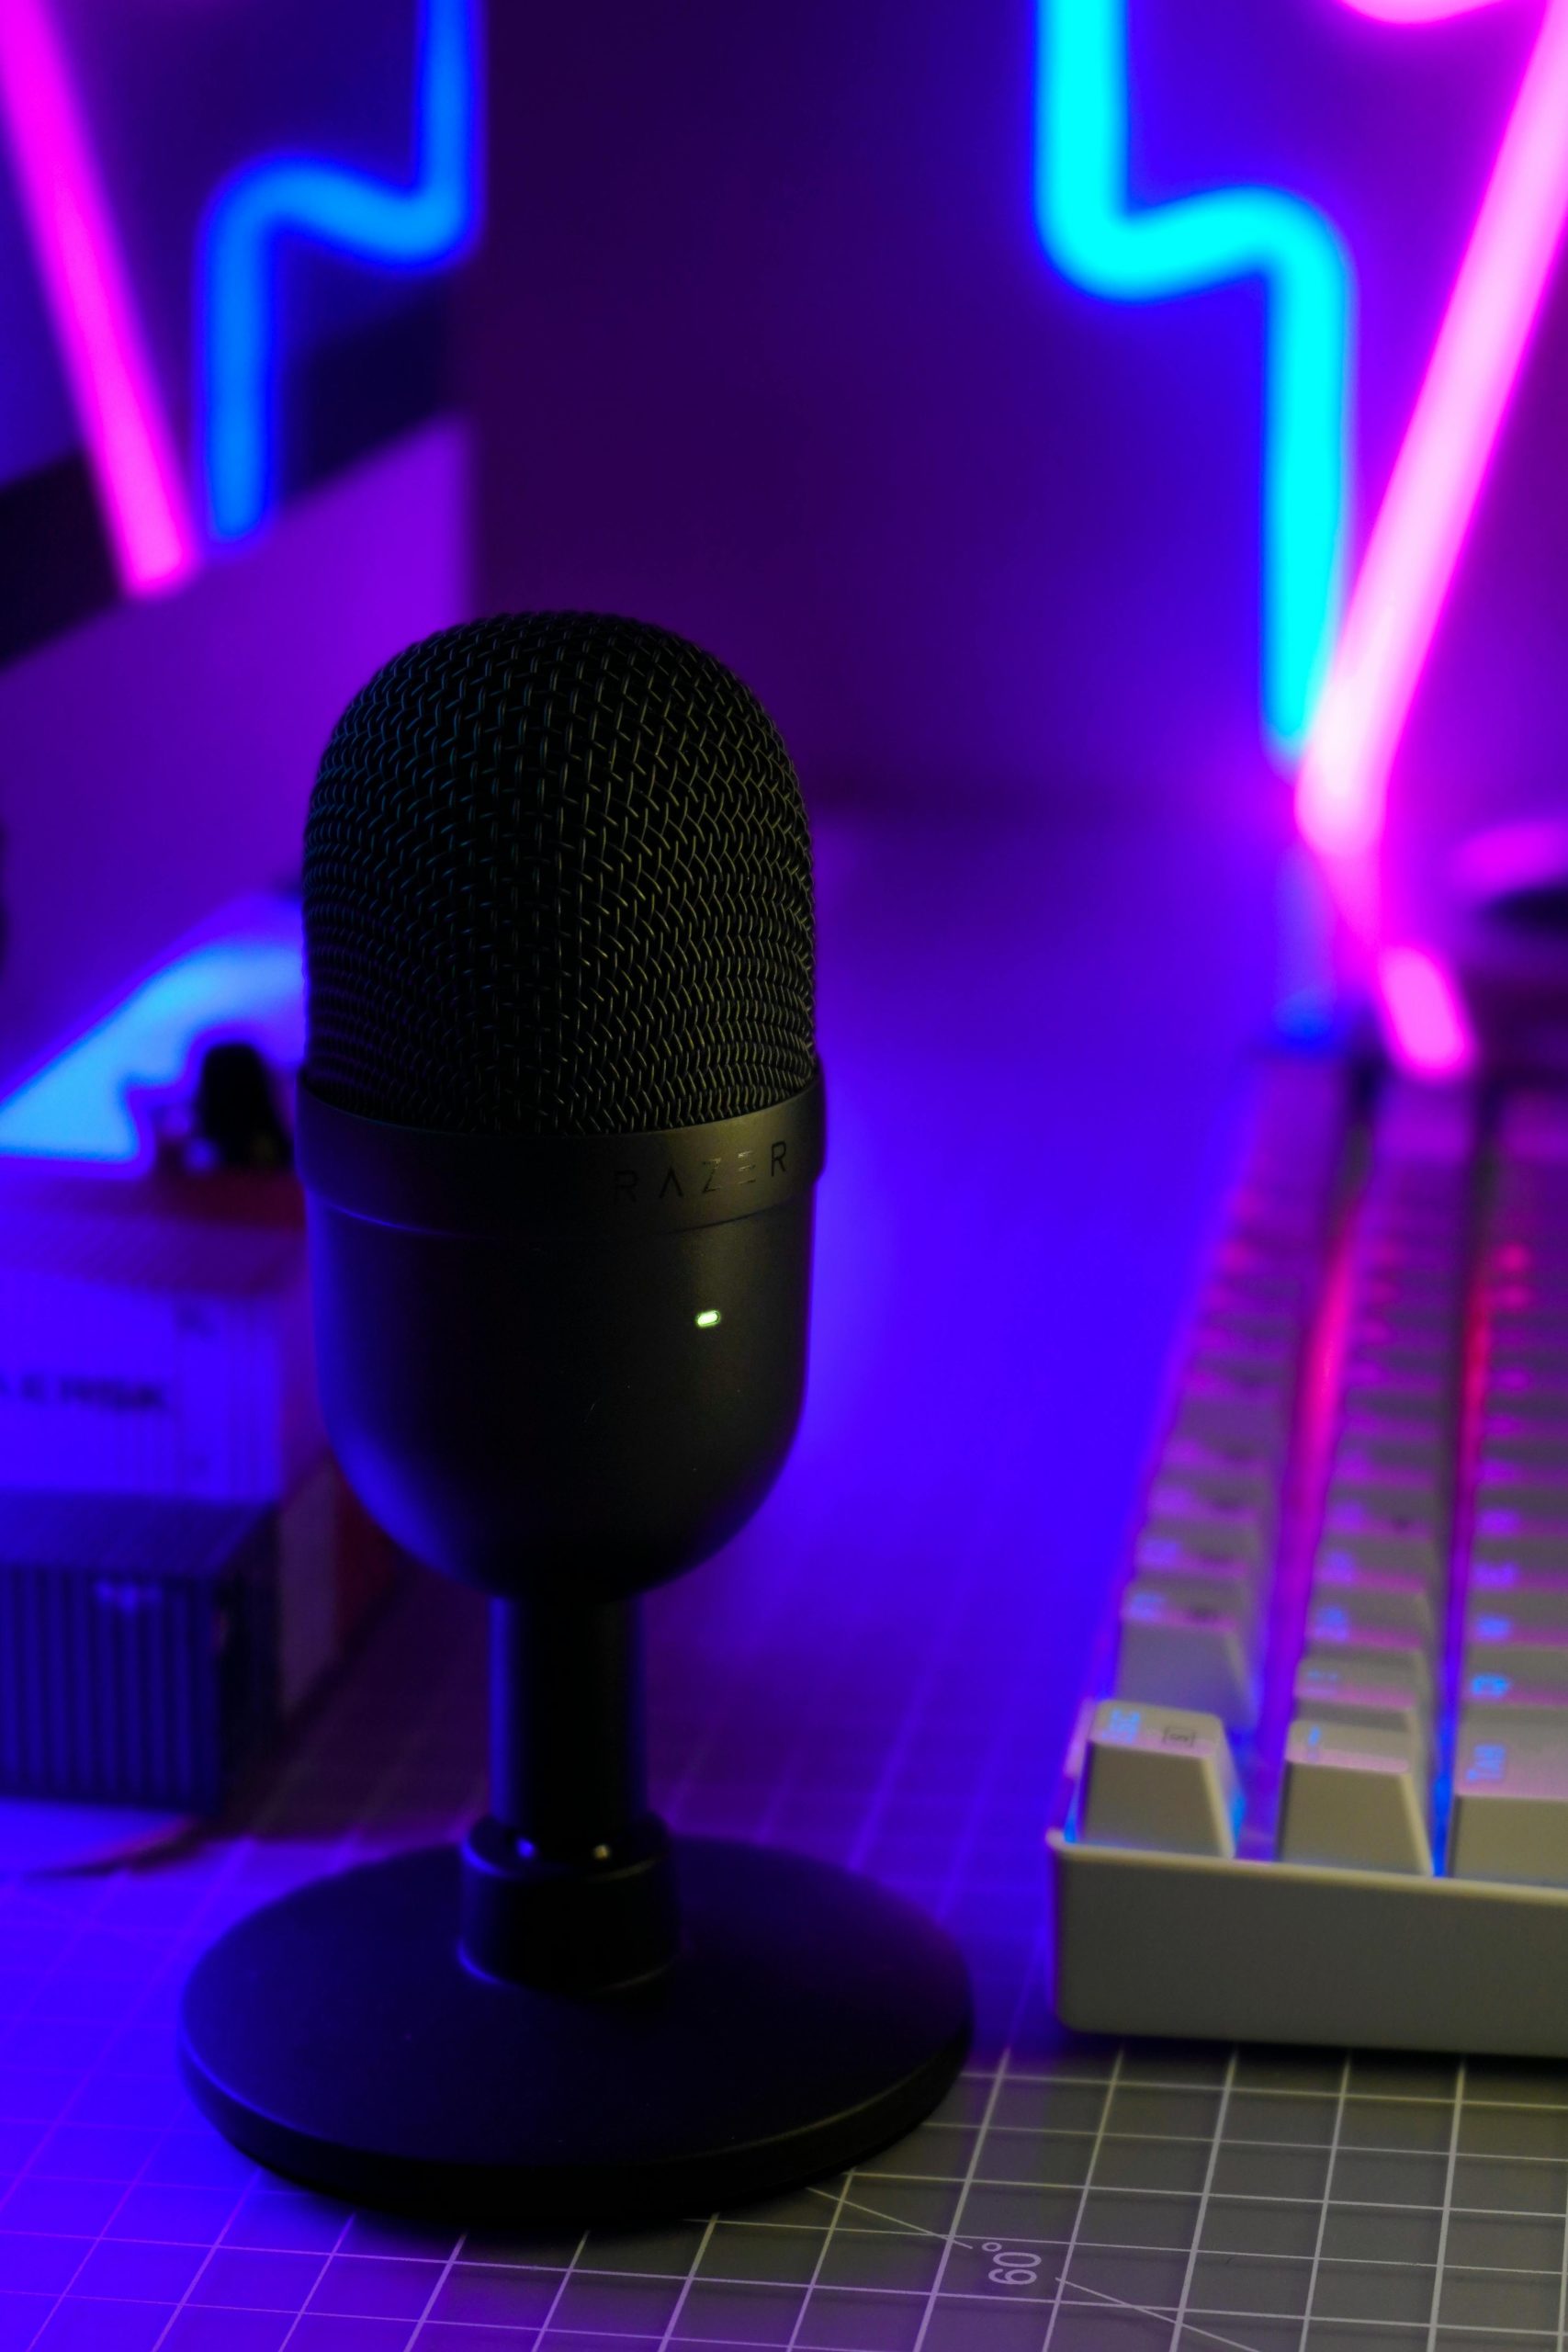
{"type": "Point", "coordinates": [557, 881]}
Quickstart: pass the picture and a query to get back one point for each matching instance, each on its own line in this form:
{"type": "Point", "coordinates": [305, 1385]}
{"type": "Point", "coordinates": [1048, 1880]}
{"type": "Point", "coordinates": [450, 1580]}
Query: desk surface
{"type": "Point", "coordinates": [1032, 1042]}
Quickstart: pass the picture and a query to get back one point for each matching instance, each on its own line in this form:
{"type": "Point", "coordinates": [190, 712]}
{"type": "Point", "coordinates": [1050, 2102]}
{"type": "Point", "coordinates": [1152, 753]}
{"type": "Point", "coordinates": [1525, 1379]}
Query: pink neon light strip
{"type": "Point", "coordinates": [1428, 1029]}
{"type": "Point", "coordinates": [85, 280]}
{"type": "Point", "coordinates": [1420, 532]}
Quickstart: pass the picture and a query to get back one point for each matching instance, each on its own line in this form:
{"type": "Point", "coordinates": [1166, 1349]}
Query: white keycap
{"type": "Point", "coordinates": [1510, 1819]}
{"type": "Point", "coordinates": [1487, 1697]}
{"type": "Point", "coordinates": [1241, 1464]}
{"type": "Point", "coordinates": [1225, 1593]}
{"type": "Point", "coordinates": [1541, 1355]}
{"type": "Point", "coordinates": [1498, 1587]}
{"type": "Point", "coordinates": [1198, 1658]}
{"type": "Point", "coordinates": [1533, 1656]}
{"type": "Point", "coordinates": [1511, 1486]}
{"type": "Point", "coordinates": [1355, 1798]}
{"type": "Point", "coordinates": [1330, 1692]}
{"type": "Point", "coordinates": [1416, 1454]}
{"type": "Point", "coordinates": [1503, 1534]}
{"type": "Point", "coordinates": [1382, 1598]}
{"type": "Point", "coordinates": [1159, 1778]}
{"type": "Point", "coordinates": [1529, 1393]}
{"type": "Point", "coordinates": [1337, 1624]}
{"type": "Point", "coordinates": [1378, 1537]}
{"type": "Point", "coordinates": [1516, 1437]}
{"type": "Point", "coordinates": [1211, 1517]}
{"type": "Point", "coordinates": [1384, 1668]}
{"type": "Point", "coordinates": [1229, 1322]}
{"type": "Point", "coordinates": [1244, 1275]}
{"type": "Point", "coordinates": [1408, 1403]}
{"type": "Point", "coordinates": [1216, 1404]}
{"type": "Point", "coordinates": [1370, 1436]}
{"type": "Point", "coordinates": [1228, 1546]}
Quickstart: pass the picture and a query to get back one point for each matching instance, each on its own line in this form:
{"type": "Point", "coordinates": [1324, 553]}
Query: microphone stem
{"type": "Point", "coordinates": [567, 1732]}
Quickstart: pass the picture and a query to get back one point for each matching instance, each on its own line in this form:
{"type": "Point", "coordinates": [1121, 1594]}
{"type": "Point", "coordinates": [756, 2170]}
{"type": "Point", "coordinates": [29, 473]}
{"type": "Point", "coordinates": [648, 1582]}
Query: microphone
{"type": "Point", "coordinates": [561, 1116]}
{"type": "Point", "coordinates": [560, 1128]}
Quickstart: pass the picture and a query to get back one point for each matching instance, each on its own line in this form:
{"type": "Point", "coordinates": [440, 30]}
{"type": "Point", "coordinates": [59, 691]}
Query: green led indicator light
{"type": "Point", "coordinates": [708, 1318]}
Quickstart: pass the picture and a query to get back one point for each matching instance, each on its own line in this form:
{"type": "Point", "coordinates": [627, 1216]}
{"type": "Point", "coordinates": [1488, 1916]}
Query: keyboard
{"type": "Point", "coordinates": [1317, 1790]}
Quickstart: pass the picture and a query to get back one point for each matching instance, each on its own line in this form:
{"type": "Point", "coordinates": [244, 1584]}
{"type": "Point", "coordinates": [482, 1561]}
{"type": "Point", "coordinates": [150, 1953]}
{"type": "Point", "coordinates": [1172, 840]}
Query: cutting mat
{"type": "Point", "coordinates": [1067, 2195]}
{"type": "Point", "coordinates": [882, 1672]}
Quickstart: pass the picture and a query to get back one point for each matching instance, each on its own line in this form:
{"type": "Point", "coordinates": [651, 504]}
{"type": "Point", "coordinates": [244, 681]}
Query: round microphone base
{"type": "Point", "coordinates": [811, 2019]}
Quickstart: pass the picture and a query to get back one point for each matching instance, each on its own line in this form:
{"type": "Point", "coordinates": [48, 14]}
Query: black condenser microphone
{"type": "Point", "coordinates": [561, 1117]}
{"type": "Point", "coordinates": [559, 1127]}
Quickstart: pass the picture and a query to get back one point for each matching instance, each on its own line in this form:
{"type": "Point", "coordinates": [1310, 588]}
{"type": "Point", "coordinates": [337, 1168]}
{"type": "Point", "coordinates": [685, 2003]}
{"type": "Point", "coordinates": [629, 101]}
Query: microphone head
{"type": "Point", "coordinates": [557, 882]}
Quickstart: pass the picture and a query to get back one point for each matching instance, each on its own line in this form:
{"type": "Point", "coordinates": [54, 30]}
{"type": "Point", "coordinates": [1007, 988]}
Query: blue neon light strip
{"type": "Point", "coordinates": [412, 227]}
{"type": "Point", "coordinates": [1081, 209]}
{"type": "Point", "coordinates": [243, 980]}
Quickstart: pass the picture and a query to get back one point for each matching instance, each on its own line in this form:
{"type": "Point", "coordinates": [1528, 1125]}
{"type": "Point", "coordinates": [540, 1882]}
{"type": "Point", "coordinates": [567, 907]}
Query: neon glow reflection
{"type": "Point", "coordinates": [90, 302]}
{"type": "Point", "coordinates": [412, 227]}
{"type": "Point", "coordinates": [1082, 212]}
{"type": "Point", "coordinates": [1428, 1030]}
{"type": "Point", "coordinates": [241, 982]}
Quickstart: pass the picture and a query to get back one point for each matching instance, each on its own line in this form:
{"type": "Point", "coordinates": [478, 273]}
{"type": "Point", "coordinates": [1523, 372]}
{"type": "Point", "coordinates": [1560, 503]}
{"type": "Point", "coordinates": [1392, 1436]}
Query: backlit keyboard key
{"type": "Point", "coordinates": [1363, 1538]}
{"type": "Point", "coordinates": [1528, 1453]}
{"type": "Point", "coordinates": [1330, 1692]}
{"type": "Point", "coordinates": [1521, 1538]}
{"type": "Point", "coordinates": [1200, 1658]}
{"type": "Point", "coordinates": [1400, 1396]}
{"type": "Point", "coordinates": [1510, 1804]}
{"type": "Point", "coordinates": [1229, 1322]}
{"type": "Point", "coordinates": [1530, 1395]}
{"type": "Point", "coordinates": [1192, 1580]}
{"type": "Point", "coordinates": [1402, 1489]}
{"type": "Point", "coordinates": [1529, 1488]}
{"type": "Point", "coordinates": [1409, 1456]}
{"type": "Point", "coordinates": [1396, 1667]}
{"type": "Point", "coordinates": [1524, 1596]}
{"type": "Point", "coordinates": [1523, 1437]}
{"type": "Point", "coordinates": [1534, 1656]}
{"type": "Point", "coordinates": [1213, 1516]}
{"type": "Point", "coordinates": [1379, 1447]}
{"type": "Point", "coordinates": [1384, 1599]}
{"type": "Point", "coordinates": [1500, 1700]}
{"type": "Point", "coordinates": [1161, 1779]}
{"type": "Point", "coordinates": [1217, 1404]}
{"type": "Point", "coordinates": [1241, 1463]}
{"type": "Point", "coordinates": [1254, 1365]}
{"type": "Point", "coordinates": [1355, 1798]}
{"type": "Point", "coordinates": [1337, 1625]}
{"type": "Point", "coordinates": [1542, 1355]}
{"type": "Point", "coordinates": [1522, 1487]}
{"type": "Point", "coordinates": [1371, 1403]}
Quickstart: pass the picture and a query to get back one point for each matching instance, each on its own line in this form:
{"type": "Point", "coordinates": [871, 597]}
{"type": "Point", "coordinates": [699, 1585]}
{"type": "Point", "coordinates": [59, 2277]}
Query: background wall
{"type": "Point", "coordinates": [157, 763]}
{"type": "Point", "coordinates": [764, 344]}
{"type": "Point", "coordinates": [155, 756]}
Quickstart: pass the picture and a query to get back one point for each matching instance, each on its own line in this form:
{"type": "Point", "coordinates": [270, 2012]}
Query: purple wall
{"type": "Point", "coordinates": [158, 762]}
{"type": "Point", "coordinates": [764, 347]}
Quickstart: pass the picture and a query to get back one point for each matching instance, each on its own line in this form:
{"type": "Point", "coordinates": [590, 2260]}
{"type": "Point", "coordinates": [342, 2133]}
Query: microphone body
{"type": "Point", "coordinates": [560, 1128]}
{"type": "Point", "coordinates": [567, 1364]}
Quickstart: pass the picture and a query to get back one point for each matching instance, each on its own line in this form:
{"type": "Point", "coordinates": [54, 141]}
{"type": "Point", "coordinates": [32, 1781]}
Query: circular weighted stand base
{"type": "Point", "coordinates": [811, 2019]}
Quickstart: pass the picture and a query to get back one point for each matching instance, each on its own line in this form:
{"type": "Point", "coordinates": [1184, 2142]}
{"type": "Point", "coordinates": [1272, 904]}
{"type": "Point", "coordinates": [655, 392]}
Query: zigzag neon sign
{"type": "Point", "coordinates": [122, 415]}
{"type": "Point", "coordinates": [1080, 197]}
{"type": "Point", "coordinates": [429, 220]}
{"type": "Point", "coordinates": [1420, 531]}
{"type": "Point", "coordinates": [1342, 697]}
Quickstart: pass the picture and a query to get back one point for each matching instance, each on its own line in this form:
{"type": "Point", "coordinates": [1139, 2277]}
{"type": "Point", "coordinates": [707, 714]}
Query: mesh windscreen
{"type": "Point", "coordinates": [557, 881]}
